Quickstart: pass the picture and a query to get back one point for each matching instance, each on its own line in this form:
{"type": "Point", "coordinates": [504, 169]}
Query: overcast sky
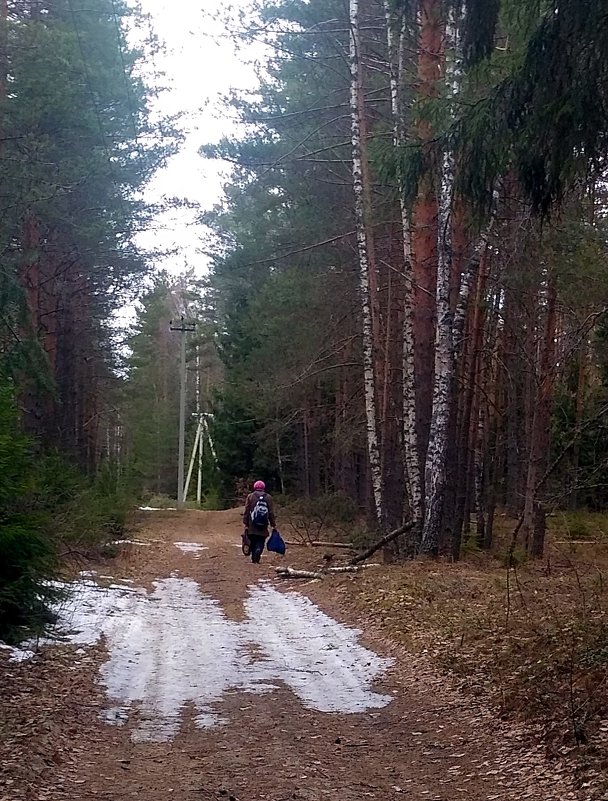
{"type": "Point", "coordinates": [201, 66]}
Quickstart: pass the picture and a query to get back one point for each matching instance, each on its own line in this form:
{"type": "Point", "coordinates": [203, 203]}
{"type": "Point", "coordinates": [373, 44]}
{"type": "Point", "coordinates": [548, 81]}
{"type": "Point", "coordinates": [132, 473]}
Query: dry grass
{"type": "Point", "coordinates": [533, 639]}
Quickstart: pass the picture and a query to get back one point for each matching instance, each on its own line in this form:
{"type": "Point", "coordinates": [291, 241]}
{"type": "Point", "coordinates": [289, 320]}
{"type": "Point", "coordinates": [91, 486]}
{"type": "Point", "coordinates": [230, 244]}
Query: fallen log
{"type": "Point", "coordinates": [290, 572]}
{"type": "Point", "coordinates": [361, 557]}
{"type": "Point", "coordinates": [323, 544]}
{"type": "Point", "coordinates": [348, 568]}
{"type": "Point", "coordinates": [575, 542]}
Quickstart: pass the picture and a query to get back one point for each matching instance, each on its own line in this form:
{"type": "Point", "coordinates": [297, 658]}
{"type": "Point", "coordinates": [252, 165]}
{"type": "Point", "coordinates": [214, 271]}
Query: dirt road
{"type": "Point", "coordinates": [213, 680]}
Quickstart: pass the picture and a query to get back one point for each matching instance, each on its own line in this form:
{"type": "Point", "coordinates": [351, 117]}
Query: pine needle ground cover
{"type": "Point", "coordinates": [533, 639]}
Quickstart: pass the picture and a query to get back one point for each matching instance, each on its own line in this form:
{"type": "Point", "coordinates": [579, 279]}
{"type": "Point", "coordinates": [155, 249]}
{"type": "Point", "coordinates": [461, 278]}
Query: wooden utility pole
{"type": "Point", "coordinates": [199, 482]}
{"type": "Point", "coordinates": [184, 328]}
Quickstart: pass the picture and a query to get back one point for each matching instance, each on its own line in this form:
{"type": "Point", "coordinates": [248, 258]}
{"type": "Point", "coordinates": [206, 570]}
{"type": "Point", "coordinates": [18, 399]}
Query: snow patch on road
{"type": "Point", "coordinates": [83, 615]}
{"type": "Point", "coordinates": [175, 646]}
{"type": "Point", "coordinates": [17, 654]}
{"type": "Point", "coordinates": [191, 547]}
{"type": "Point", "coordinates": [128, 542]}
{"type": "Point", "coordinates": [90, 611]}
{"type": "Point", "coordinates": [315, 655]}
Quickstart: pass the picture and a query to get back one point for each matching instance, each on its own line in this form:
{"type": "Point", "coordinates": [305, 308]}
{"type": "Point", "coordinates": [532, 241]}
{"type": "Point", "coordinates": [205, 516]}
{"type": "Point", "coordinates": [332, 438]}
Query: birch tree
{"type": "Point", "coordinates": [459, 365]}
{"type": "Point", "coordinates": [364, 235]}
{"type": "Point", "coordinates": [395, 32]}
{"type": "Point", "coordinates": [436, 456]}
{"type": "Point", "coordinates": [435, 467]}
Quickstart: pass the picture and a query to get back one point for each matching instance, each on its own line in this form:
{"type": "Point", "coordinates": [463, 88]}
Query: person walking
{"type": "Point", "coordinates": [258, 515]}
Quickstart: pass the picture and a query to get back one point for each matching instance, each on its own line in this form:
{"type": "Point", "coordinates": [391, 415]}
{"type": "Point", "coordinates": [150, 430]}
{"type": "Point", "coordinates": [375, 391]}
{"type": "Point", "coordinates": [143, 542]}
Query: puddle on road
{"type": "Point", "coordinates": [175, 646]}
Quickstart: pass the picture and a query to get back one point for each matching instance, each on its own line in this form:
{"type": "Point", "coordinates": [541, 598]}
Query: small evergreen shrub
{"type": "Point", "coordinates": [27, 555]}
{"type": "Point", "coordinates": [212, 501]}
{"type": "Point", "coordinates": [48, 509]}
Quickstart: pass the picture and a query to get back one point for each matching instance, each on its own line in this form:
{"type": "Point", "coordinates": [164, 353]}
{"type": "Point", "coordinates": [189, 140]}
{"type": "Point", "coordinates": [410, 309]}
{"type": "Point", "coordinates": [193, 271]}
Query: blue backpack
{"type": "Point", "coordinates": [276, 543]}
{"type": "Point", "coordinates": [259, 513]}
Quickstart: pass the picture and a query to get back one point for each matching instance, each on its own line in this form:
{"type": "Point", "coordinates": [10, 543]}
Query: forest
{"type": "Point", "coordinates": [408, 286]}
{"type": "Point", "coordinates": [399, 322]}
{"type": "Point", "coordinates": [405, 311]}
{"type": "Point", "coordinates": [77, 144]}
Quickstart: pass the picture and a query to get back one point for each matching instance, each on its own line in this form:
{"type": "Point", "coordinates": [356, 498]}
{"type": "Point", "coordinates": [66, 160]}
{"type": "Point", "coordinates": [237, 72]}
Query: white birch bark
{"type": "Point", "coordinates": [468, 281]}
{"type": "Point", "coordinates": [448, 349]}
{"type": "Point", "coordinates": [436, 457]}
{"type": "Point", "coordinates": [362, 250]}
{"type": "Point", "coordinates": [435, 466]}
{"type": "Point", "coordinates": [410, 438]}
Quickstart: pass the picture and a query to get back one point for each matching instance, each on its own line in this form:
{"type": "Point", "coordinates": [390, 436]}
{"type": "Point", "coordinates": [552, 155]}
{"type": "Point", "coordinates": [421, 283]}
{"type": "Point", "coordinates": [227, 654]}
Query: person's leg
{"type": "Point", "coordinates": [257, 547]}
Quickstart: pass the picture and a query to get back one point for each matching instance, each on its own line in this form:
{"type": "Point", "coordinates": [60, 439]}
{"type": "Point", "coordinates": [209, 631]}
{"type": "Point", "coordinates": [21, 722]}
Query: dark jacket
{"type": "Point", "coordinates": [252, 499]}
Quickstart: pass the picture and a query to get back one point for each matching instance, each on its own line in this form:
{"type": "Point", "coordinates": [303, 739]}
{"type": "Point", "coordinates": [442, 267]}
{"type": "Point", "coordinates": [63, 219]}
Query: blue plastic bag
{"type": "Point", "coordinates": [276, 543]}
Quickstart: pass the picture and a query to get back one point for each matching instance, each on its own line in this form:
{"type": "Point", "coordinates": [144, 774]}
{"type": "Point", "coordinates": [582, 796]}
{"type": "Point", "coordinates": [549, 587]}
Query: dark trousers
{"type": "Point", "coordinates": [257, 539]}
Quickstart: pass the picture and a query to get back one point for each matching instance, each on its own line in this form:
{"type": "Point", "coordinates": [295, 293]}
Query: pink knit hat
{"type": "Point", "coordinates": [259, 485]}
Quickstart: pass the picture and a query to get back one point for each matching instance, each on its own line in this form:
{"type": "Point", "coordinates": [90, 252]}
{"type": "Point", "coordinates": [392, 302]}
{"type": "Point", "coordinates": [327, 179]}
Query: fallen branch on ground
{"type": "Point", "coordinates": [576, 542]}
{"type": "Point", "coordinates": [384, 541]}
{"type": "Point", "coordinates": [323, 544]}
{"type": "Point", "coordinates": [290, 572]}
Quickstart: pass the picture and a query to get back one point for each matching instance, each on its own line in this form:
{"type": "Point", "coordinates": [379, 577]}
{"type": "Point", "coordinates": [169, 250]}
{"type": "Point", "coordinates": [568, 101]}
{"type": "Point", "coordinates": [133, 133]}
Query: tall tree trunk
{"type": "Point", "coordinates": [29, 276]}
{"type": "Point", "coordinates": [533, 521]}
{"type": "Point", "coordinates": [497, 452]}
{"type": "Point", "coordinates": [51, 277]}
{"type": "Point", "coordinates": [470, 390]}
{"type": "Point", "coordinates": [30, 273]}
{"type": "Point", "coordinates": [362, 223]}
{"type": "Point", "coordinates": [459, 356]}
{"type": "Point", "coordinates": [434, 479]}
{"type": "Point", "coordinates": [386, 376]}
{"type": "Point", "coordinates": [512, 322]}
{"type": "Point", "coordinates": [460, 235]}
{"type": "Point", "coordinates": [413, 480]}
{"type": "Point", "coordinates": [306, 439]}
{"type": "Point", "coordinates": [485, 455]}
{"type": "Point", "coordinates": [459, 247]}
{"type": "Point", "coordinates": [314, 440]}
{"type": "Point", "coordinates": [437, 452]}
{"type": "Point", "coordinates": [424, 234]}
{"type": "Point", "coordinates": [579, 415]}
